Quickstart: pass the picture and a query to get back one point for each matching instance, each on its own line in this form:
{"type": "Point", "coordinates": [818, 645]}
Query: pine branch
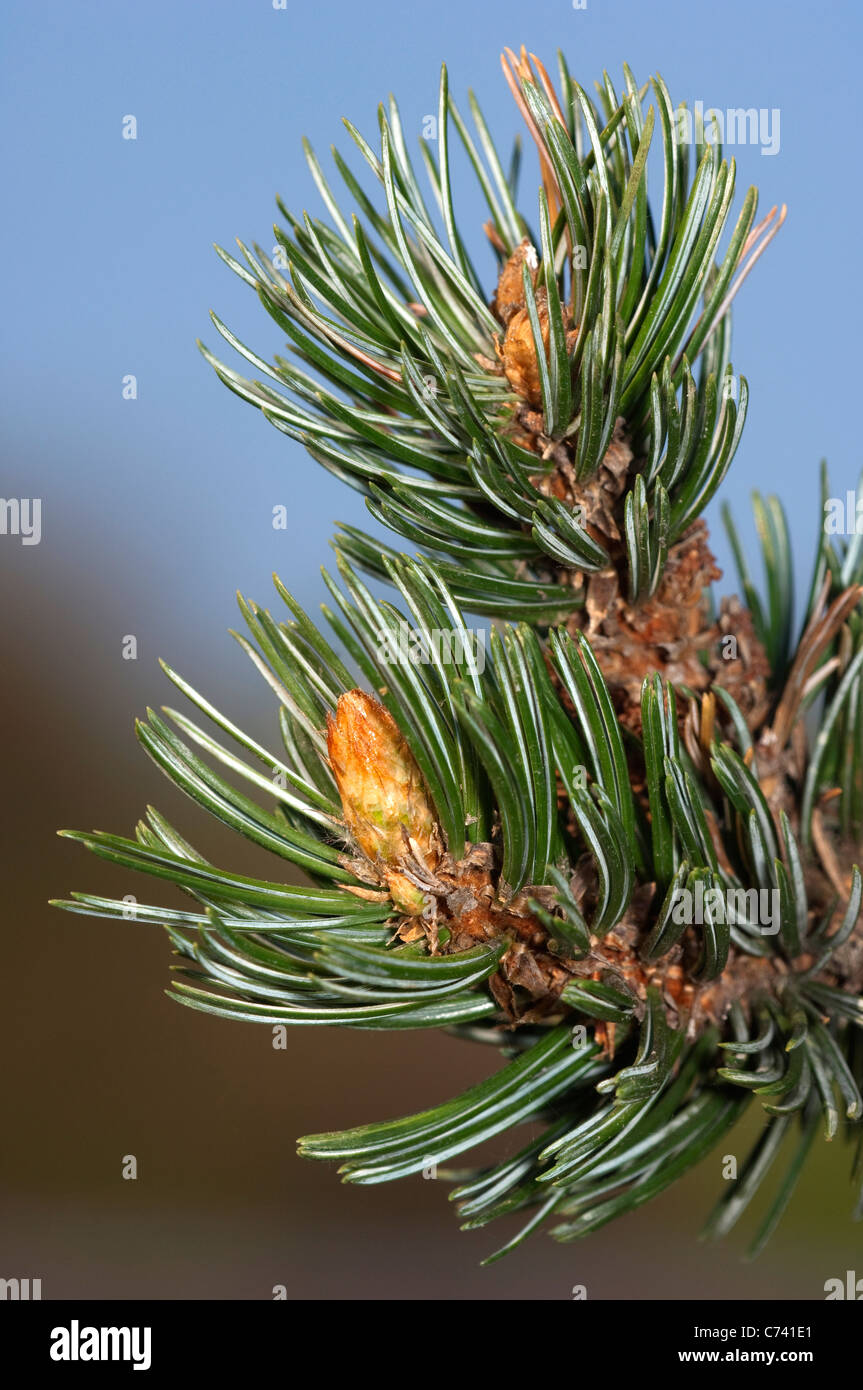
{"type": "Point", "coordinates": [541, 901]}
{"type": "Point", "coordinates": [605, 841]}
{"type": "Point", "coordinates": [594, 329]}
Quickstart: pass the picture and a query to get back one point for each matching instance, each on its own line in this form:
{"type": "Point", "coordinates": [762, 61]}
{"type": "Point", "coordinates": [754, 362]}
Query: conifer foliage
{"type": "Point", "coordinates": [618, 840]}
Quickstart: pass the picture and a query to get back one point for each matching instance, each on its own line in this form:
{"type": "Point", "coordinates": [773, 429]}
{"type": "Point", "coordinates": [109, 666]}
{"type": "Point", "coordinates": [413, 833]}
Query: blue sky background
{"type": "Point", "coordinates": [155, 511]}
{"type": "Point", "coordinates": [160, 508]}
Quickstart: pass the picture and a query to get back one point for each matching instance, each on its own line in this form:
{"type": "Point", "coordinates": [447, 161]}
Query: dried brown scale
{"type": "Point", "coordinates": [598, 497]}
{"type": "Point", "coordinates": [671, 633]}
{"type": "Point", "coordinates": [533, 972]}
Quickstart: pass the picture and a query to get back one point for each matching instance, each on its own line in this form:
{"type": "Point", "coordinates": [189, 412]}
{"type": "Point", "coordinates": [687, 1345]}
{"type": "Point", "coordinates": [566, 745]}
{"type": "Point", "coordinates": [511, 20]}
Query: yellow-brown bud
{"type": "Point", "coordinates": [381, 788]}
{"type": "Point", "coordinates": [509, 295]}
{"type": "Point", "coordinates": [519, 351]}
